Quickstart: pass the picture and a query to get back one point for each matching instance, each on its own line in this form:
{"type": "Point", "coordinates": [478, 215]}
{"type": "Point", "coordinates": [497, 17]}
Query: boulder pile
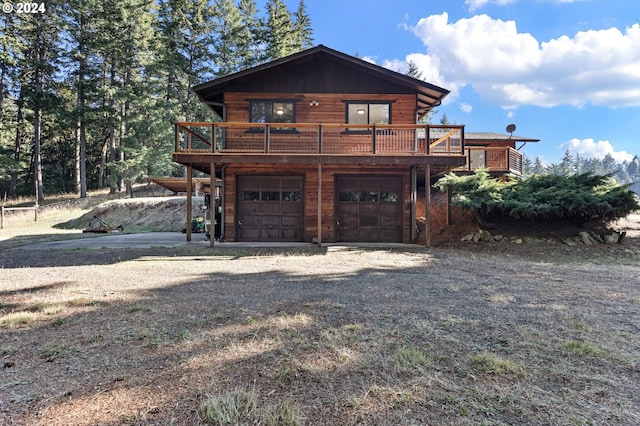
{"type": "Point", "coordinates": [583, 238]}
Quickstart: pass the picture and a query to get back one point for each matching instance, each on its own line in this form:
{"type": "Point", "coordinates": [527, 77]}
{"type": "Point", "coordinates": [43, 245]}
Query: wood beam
{"type": "Point", "coordinates": [189, 201]}
{"type": "Point", "coordinates": [427, 213]}
{"type": "Point", "coordinates": [319, 204]}
{"type": "Point", "coordinates": [413, 202]}
{"type": "Point", "coordinates": [212, 205]}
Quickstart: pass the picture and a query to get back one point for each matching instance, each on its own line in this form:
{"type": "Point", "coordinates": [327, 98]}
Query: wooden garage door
{"type": "Point", "coordinates": [369, 208]}
{"type": "Point", "coordinates": [270, 208]}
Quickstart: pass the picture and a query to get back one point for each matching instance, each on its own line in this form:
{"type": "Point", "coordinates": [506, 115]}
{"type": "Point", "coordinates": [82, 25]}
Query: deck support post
{"type": "Point", "coordinates": [413, 201]}
{"type": "Point", "coordinates": [189, 194]}
{"type": "Point", "coordinates": [319, 204]}
{"type": "Point", "coordinates": [212, 204]}
{"type": "Point", "coordinates": [427, 196]}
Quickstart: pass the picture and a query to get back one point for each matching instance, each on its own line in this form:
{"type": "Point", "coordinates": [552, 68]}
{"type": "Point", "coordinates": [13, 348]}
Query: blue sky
{"type": "Point", "coordinates": [566, 72]}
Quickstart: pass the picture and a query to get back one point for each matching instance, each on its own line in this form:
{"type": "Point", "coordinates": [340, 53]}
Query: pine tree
{"type": "Point", "coordinates": [280, 37]}
{"type": "Point", "coordinates": [302, 32]}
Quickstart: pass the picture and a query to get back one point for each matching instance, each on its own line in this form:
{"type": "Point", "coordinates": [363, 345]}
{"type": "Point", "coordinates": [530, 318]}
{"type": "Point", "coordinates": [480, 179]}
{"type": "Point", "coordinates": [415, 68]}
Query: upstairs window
{"type": "Point", "coordinates": [364, 112]}
{"type": "Point", "coordinates": [369, 113]}
{"type": "Point", "coordinates": [272, 111]}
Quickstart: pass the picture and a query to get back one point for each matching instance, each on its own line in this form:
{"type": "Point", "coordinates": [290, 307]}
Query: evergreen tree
{"type": "Point", "coordinates": [280, 37]}
{"type": "Point", "coordinates": [303, 34]}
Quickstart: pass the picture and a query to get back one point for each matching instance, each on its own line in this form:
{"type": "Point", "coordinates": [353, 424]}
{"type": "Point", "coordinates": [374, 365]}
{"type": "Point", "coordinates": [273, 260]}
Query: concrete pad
{"type": "Point", "coordinates": [142, 240]}
{"type": "Point", "coordinates": [178, 239]}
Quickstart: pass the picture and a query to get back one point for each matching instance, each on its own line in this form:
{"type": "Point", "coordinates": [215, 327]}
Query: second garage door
{"type": "Point", "coordinates": [270, 208]}
{"type": "Point", "coordinates": [369, 208]}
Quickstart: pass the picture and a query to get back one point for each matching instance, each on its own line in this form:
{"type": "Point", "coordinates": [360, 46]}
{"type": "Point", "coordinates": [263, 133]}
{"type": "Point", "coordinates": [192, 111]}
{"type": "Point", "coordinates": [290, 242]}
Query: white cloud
{"type": "Point", "coordinates": [465, 107]}
{"type": "Point", "coordinates": [510, 68]}
{"type": "Point", "coordinates": [592, 149]}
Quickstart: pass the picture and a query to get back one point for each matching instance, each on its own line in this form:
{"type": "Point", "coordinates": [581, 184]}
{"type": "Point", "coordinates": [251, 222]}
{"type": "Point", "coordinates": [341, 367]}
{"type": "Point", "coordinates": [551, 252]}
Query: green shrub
{"type": "Point", "coordinates": [578, 198]}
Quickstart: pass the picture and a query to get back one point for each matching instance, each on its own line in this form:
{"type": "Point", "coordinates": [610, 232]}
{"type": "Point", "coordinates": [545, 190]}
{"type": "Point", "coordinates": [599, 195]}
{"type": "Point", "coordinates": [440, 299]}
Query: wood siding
{"type": "Point", "coordinates": [330, 108]}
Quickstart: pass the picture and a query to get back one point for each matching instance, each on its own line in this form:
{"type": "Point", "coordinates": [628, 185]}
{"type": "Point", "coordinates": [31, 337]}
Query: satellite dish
{"type": "Point", "coordinates": [511, 128]}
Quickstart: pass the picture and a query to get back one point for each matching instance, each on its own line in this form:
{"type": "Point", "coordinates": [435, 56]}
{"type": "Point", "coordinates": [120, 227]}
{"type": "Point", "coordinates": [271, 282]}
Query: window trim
{"type": "Point", "coordinates": [272, 101]}
{"type": "Point", "coordinates": [368, 103]}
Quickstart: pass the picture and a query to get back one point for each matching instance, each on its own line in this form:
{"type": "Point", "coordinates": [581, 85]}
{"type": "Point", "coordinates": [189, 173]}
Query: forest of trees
{"type": "Point", "coordinates": [90, 89]}
{"type": "Point", "coordinates": [626, 172]}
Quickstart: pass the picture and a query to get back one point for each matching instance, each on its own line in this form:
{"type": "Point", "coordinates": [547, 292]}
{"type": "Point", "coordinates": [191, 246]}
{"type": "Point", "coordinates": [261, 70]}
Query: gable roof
{"type": "Point", "coordinates": [320, 70]}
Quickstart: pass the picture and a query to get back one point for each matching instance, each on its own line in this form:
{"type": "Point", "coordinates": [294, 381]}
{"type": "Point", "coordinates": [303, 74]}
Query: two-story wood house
{"type": "Point", "coordinates": [320, 147]}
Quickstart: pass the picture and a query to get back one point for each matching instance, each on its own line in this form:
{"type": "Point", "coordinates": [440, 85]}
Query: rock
{"type": "Point", "coordinates": [596, 237]}
{"type": "Point", "coordinates": [569, 241]}
{"type": "Point", "coordinates": [614, 238]}
{"type": "Point", "coordinates": [586, 238]}
{"type": "Point", "coordinates": [498, 238]}
{"type": "Point", "coordinates": [467, 237]}
{"type": "Point", "coordinates": [485, 236]}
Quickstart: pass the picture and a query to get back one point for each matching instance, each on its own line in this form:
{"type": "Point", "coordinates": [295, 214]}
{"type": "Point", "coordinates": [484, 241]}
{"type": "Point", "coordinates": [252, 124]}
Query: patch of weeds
{"type": "Point", "coordinates": [407, 359]}
{"type": "Point", "coordinates": [128, 335]}
{"type": "Point", "coordinates": [249, 320]}
{"type": "Point", "coordinates": [138, 307]}
{"type": "Point", "coordinates": [155, 343]}
{"type": "Point", "coordinates": [53, 352]}
{"type": "Point", "coordinates": [8, 350]}
{"type": "Point", "coordinates": [15, 319]}
{"type": "Point", "coordinates": [581, 349]}
{"type": "Point", "coordinates": [236, 407]}
{"type": "Point", "coordinates": [580, 325]}
{"type": "Point", "coordinates": [184, 334]}
{"type": "Point", "coordinates": [284, 414]}
{"type": "Point", "coordinates": [403, 398]}
{"type": "Point", "coordinates": [285, 374]}
{"type": "Point", "coordinates": [493, 364]}
{"type": "Point", "coordinates": [95, 338]}
{"type": "Point", "coordinates": [352, 401]}
{"type": "Point", "coordinates": [48, 308]}
{"type": "Point", "coordinates": [60, 321]}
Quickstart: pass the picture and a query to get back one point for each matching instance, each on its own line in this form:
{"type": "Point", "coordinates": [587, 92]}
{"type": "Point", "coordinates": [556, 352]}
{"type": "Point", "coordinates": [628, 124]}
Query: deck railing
{"type": "Point", "coordinates": [306, 138]}
{"type": "Point", "coordinates": [494, 159]}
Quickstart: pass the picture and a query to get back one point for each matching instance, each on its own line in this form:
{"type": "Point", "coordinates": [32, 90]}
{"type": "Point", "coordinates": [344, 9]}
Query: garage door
{"type": "Point", "coordinates": [270, 208]}
{"type": "Point", "coordinates": [369, 208]}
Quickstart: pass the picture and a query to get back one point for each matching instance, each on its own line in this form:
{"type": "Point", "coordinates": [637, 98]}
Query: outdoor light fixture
{"type": "Point", "coordinates": [314, 103]}
{"type": "Point", "coordinates": [279, 111]}
{"type": "Point", "coordinates": [360, 111]}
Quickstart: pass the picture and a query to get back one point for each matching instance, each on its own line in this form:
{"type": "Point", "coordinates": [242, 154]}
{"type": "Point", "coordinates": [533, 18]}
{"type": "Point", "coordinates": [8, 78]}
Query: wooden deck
{"type": "Point", "coordinates": [440, 146]}
{"type": "Point", "coordinates": [200, 143]}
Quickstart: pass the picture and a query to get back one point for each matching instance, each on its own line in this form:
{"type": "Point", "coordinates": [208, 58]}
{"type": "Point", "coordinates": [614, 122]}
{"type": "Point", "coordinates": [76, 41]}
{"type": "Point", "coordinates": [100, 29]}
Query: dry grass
{"type": "Point", "coordinates": [321, 336]}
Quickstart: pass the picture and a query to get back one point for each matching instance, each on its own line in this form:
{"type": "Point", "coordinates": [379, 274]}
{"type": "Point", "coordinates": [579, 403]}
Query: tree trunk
{"type": "Point", "coordinates": [16, 151]}
{"type": "Point", "coordinates": [112, 133]}
{"type": "Point", "coordinates": [37, 113]}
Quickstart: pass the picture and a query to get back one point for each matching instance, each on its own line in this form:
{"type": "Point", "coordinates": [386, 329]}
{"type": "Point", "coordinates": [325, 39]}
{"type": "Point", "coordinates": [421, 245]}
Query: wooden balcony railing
{"type": "Point", "coordinates": [494, 159]}
{"type": "Point", "coordinates": [331, 139]}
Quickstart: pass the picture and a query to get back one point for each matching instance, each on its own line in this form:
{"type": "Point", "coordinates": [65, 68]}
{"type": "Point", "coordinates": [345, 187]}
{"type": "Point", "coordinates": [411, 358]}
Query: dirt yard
{"type": "Point", "coordinates": [462, 334]}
